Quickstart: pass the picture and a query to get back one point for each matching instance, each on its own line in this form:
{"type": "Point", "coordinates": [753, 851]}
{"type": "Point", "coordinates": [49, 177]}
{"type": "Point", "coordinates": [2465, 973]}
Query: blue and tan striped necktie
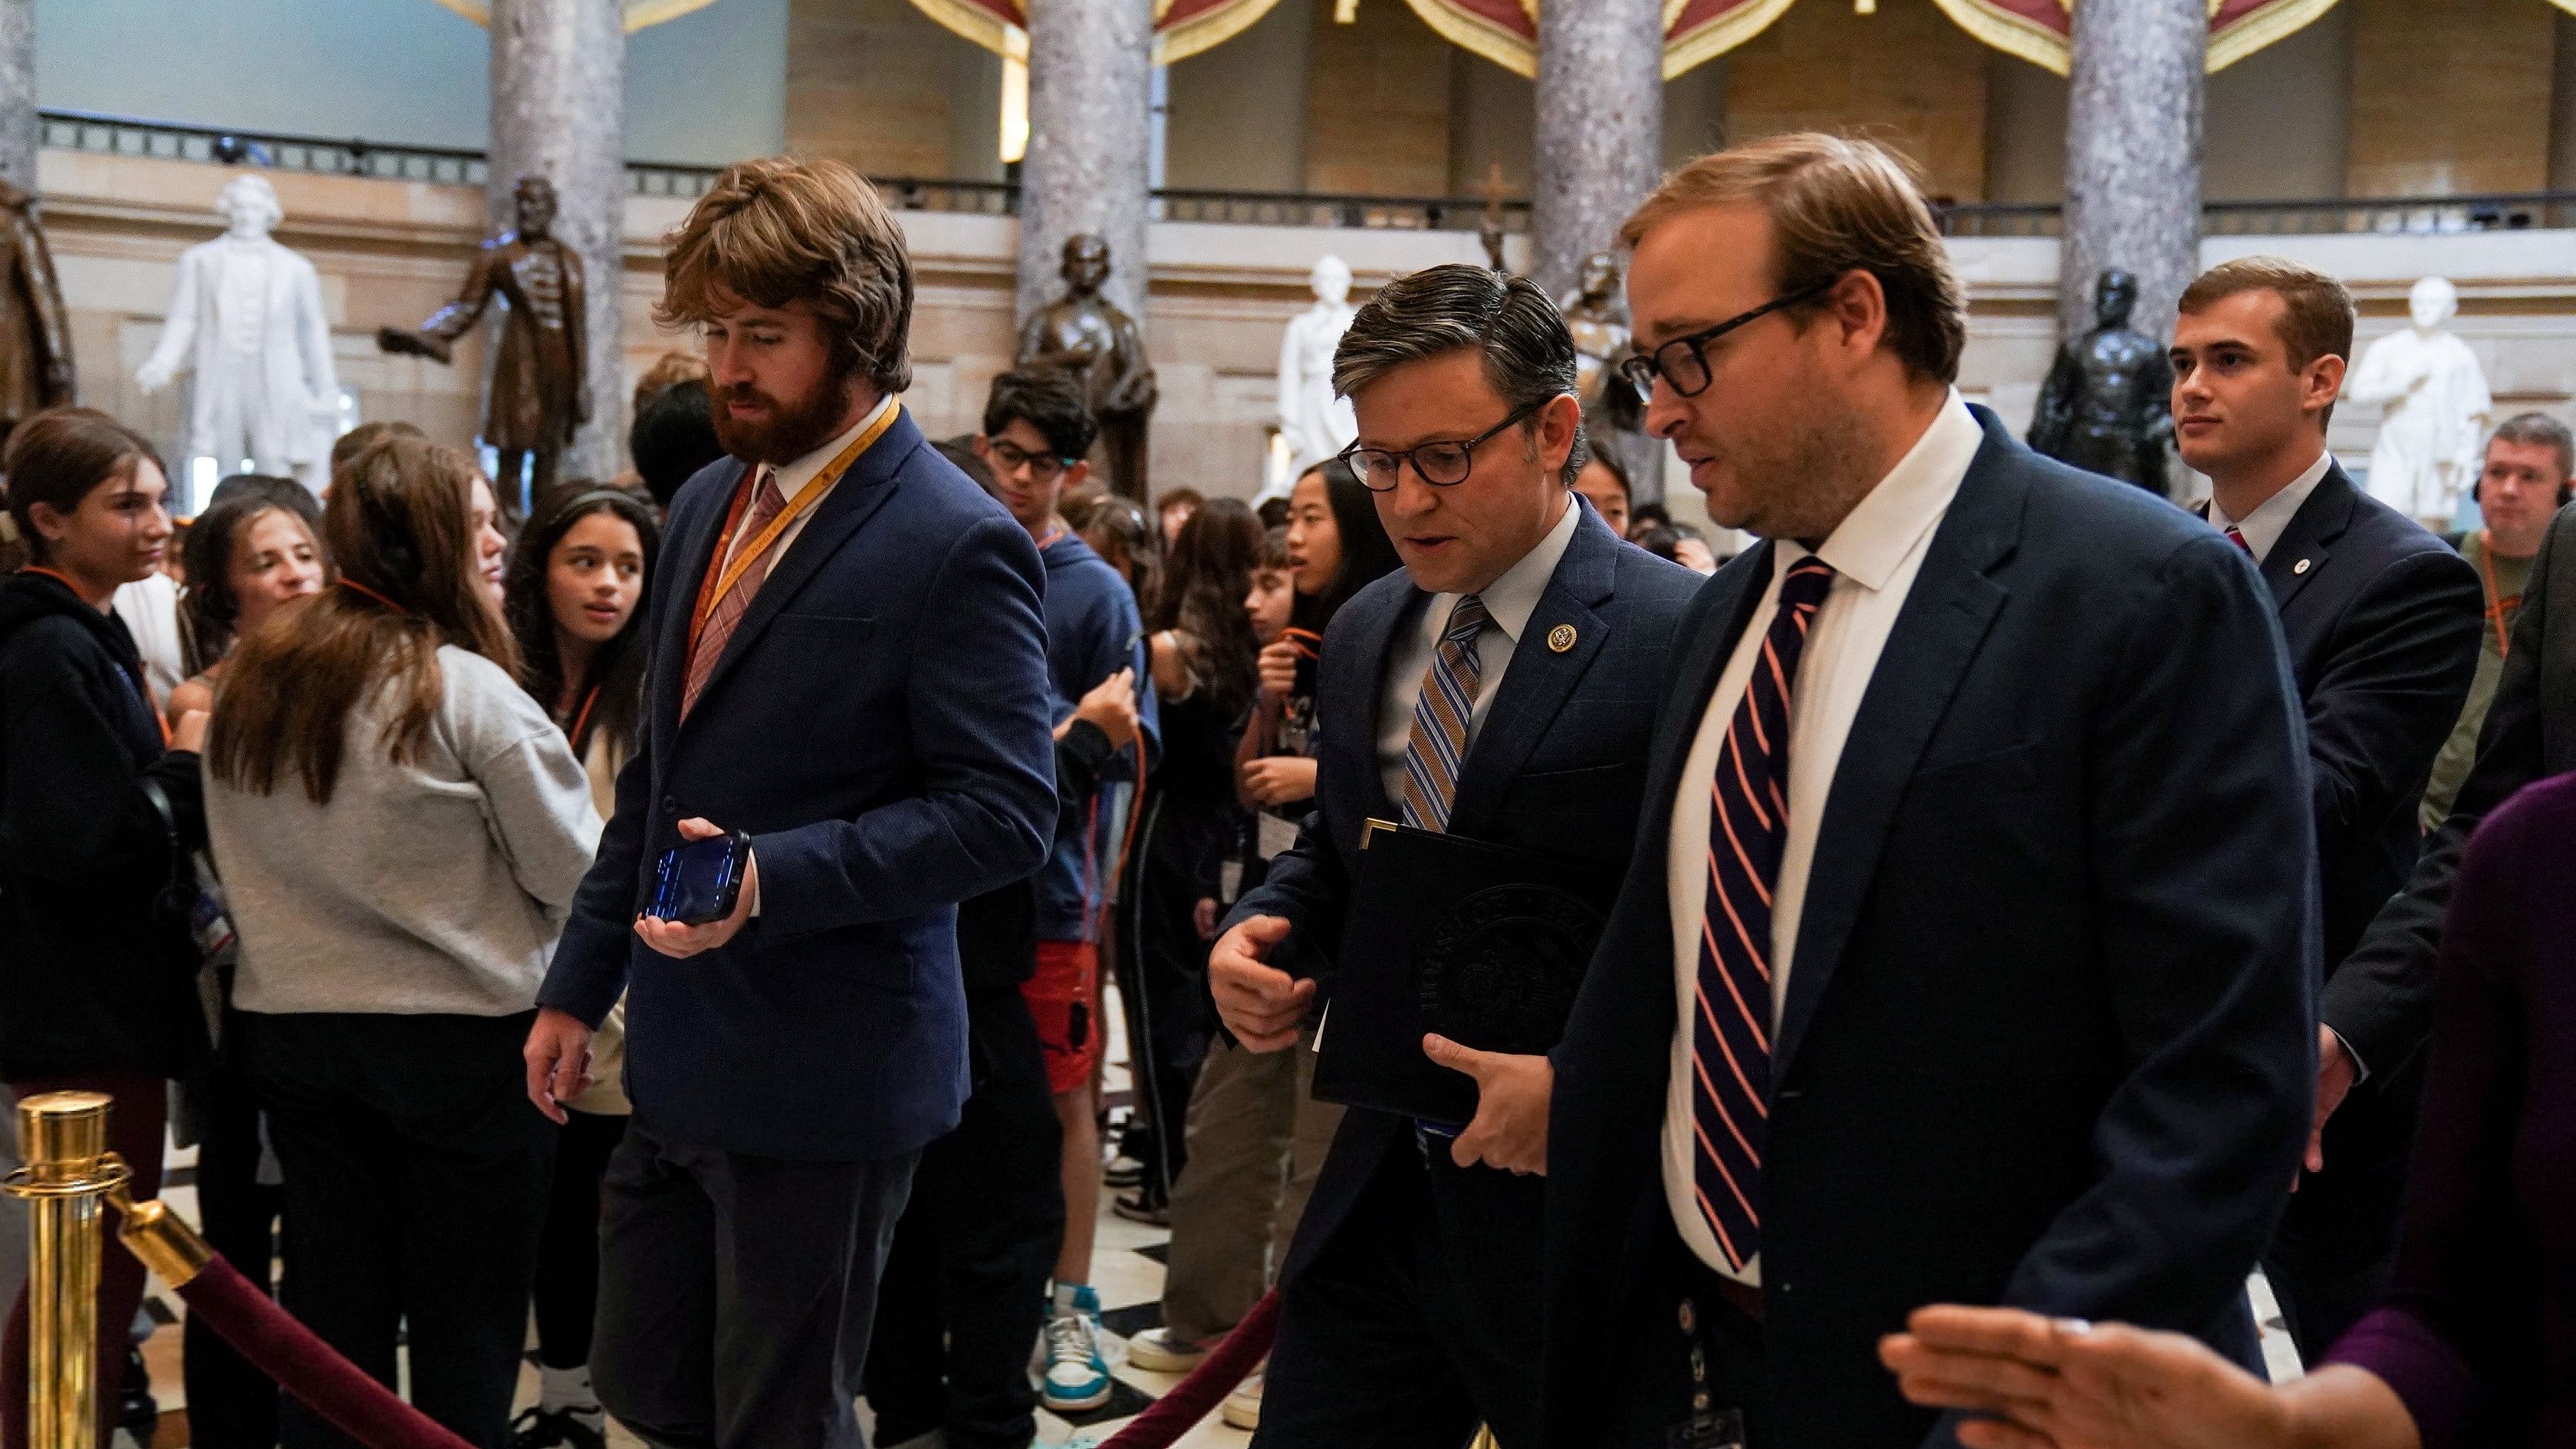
{"type": "Point", "coordinates": [1438, 747]}
{"type": "Point", "coordinates": [1748, 833]}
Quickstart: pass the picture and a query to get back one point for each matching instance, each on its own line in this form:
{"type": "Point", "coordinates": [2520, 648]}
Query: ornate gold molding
{"type": "Point", "coordinates": [1472, 32]}
{"type": "Point", "coordinates": [1718, 36]}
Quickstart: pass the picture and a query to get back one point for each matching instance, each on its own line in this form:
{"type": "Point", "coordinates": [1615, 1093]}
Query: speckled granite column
{"type": "Point", "coordinates": [559, 111]}
{"type": "Point", "coordinates": [1600, 127]}
{"type": "Point", "coordinates": [2133, 122]}
{"type": "Point", "coordinates": [1087, 167]}
{"type": "Point", "coordinates": [20, 133]}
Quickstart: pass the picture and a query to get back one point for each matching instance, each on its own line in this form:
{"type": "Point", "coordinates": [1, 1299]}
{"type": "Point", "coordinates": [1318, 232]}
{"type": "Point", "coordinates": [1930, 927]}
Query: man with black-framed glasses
{"type": "Point", "coordinates": [1968, 950]}
{"type": "Point", "coordinates": [1490, 692]}
{"type": "Point", "coordinates": [1037, 433]}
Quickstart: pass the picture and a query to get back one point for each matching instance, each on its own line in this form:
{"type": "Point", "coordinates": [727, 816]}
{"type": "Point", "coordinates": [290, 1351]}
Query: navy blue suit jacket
{"type": "Point", "coordinates": [880, 723]}
{"type": "Point", "coordinates": [2049, 1038]}
{"type": "Point", "coordinates": [1559, 768]}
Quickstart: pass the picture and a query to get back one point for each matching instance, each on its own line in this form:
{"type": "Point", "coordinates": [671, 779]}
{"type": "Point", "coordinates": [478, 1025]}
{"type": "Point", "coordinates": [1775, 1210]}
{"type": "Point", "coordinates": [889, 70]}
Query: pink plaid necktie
{"type": "Point", "coordinates": [766, 504]}
{"type": "Point", "coordinates": [2238, 539]}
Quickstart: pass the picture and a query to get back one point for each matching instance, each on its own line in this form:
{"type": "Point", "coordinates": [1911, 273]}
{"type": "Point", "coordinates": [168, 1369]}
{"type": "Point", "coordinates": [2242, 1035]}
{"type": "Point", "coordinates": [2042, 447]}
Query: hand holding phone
{"type": "Point", "coordinates": [704, 891]}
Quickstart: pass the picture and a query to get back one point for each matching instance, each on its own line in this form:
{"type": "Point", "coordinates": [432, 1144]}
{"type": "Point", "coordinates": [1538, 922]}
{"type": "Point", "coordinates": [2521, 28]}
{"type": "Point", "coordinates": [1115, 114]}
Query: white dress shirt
{"type": "Point", "coordinates": [1509, 601]}
{"type": "Point", "coordinates": [2271, 518]}
{"type": "Point", "coordinates": [1875, 552]}
{"type": "Point", "coordinates": [795, 475]}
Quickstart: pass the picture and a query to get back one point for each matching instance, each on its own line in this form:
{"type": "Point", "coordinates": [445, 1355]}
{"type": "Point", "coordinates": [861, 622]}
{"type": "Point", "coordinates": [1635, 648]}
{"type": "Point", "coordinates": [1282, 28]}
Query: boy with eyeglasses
{"type": "Point", "coordinates": [1037, 432]}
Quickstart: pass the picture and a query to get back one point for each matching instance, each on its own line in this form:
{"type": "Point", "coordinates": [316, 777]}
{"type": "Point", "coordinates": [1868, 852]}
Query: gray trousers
{"type": "Point", "coordinates": [736, 1293]}
{"type": "Point", "coordinates": [1257, 1138]}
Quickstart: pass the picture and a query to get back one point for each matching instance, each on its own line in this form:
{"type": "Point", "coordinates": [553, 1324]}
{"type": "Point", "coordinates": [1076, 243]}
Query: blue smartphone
{"type": "Point", "coordinates": [701, 882]}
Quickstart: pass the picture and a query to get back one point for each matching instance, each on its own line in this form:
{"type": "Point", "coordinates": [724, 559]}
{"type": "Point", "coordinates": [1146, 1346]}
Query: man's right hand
{"type": "Point", "coordinates": [1262, 1005]}
{"type": "Point", "coordinates": [1111, 708]}
{"type": "Point", "coordinates": [558, 1058]}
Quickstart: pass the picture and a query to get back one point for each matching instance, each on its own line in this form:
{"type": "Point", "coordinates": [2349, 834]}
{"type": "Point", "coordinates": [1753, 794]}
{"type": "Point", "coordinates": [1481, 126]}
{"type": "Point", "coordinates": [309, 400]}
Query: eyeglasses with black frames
{"type": "Point", "coordinates": [1442, 465]}
{"type": "Point", "coordinates": [1683, 362]}
{"type": "Point", "coordinates": [1009, 457]}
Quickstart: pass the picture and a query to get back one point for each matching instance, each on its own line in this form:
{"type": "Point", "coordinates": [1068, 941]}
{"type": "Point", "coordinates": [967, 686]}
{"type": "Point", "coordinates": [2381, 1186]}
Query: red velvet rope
{"type": "Point", "coordinates": [1225, 1366]}
{"type": "Point", "coordinates": [306, 1367]}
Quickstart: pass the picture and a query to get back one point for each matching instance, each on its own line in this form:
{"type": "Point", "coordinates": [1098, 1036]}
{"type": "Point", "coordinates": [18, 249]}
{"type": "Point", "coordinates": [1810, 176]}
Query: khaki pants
{"type": "Point", "coordinates": [1257, 1137]}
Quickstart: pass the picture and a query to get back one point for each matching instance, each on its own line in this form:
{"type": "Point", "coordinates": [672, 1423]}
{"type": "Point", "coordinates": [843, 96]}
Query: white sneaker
{"type": "Point", "coordinates": [1156, 1351]}
{"type": "Point", "coordinates": [1077, 1375]}
{"type": "Point", "coordinates": [1242, 1408]}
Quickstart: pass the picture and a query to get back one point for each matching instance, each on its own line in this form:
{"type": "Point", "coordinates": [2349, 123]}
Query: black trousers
{"type": "Point", "coordinates": [416, 1173]}
{"type": "Point", "coordinates": [1162, 988]}
{"type": "Point", "coordinates": [567, 1293]}
{"type": "Point", "coordinates": [2334, 1255]}
{"type": "Point", "coordinates": [1419, 1320]}
{"type": "Point", "coordinates": [736, 1293]}
{"type": "Point", "coordinates": [964, 1290]}
{"type": "Point", "coordinates": [230, 1404]}
{"type": "Point", "coordinates": [1681, 1308]}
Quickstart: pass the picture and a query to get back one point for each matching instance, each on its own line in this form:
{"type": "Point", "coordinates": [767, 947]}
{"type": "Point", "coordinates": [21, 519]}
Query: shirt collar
{"type": "Point", "coordinates": [795, 475]}
{"type": "Point", "coordinates": [2270, 519]}
{"type": "Point", "coordinates": [1513, 597]}
{"type": "Point", "coordinates": [1870, 544]}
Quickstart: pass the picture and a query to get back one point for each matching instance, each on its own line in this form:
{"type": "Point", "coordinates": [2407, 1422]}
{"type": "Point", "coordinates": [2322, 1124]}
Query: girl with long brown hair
{"type": "Point", "coordinates": [97, 970]}
{"type": "Point", "coordinates": [401, 829]}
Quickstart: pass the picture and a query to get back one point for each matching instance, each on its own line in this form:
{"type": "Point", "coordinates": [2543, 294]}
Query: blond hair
{"type": "Point", "coordinates": [1837, 205]}
{"type": "Point", "coordinates": [779, 230]}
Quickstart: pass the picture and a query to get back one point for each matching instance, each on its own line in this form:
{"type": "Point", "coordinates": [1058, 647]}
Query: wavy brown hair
{"type": "Point", "coordinates": [399, 527]}
{"type": "Point", "coordinates": [780, 230]}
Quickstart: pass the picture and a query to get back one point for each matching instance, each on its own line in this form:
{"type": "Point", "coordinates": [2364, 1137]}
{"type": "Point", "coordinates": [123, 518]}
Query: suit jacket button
{"type": "Point", "coordinates": [670, 804]}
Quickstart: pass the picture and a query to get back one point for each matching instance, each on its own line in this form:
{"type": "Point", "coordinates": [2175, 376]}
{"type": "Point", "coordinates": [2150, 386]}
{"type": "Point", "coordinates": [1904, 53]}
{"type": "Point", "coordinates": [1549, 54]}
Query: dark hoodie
{"type": "Point", "coordinates": [95, 976]}
{"type": "Point", "coordinates": [1093, 631]}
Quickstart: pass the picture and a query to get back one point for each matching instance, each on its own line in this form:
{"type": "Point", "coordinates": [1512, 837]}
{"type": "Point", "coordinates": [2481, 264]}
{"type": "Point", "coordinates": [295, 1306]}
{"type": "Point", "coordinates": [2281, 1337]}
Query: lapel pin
{"type": "Point", "coordinates": [1561, 638]}
{"type": "Point", "coordinates": [2300, 567]}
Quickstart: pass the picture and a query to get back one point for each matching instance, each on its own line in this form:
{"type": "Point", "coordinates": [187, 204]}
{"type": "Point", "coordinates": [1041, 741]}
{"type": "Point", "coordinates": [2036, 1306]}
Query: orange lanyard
{"type": "Point", "coordinates": [2495, 602]}
{"type": "Point", "coordinates": [581, 721]}
{"type": "Point", "coordinates": [140, 687]}
{"type": "Point", "coordinates": [721, 575]}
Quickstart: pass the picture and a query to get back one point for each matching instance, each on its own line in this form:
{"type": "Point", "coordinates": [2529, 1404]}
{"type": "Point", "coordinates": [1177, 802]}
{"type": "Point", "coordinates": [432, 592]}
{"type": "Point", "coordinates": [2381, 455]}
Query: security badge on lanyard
{"type": "Point", "coordinates": [1708, 1427]}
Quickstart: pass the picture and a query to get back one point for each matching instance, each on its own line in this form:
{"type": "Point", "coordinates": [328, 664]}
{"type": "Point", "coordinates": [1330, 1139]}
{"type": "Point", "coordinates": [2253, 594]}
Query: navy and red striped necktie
{"type": "Point", "coordinates": [1748, 833]}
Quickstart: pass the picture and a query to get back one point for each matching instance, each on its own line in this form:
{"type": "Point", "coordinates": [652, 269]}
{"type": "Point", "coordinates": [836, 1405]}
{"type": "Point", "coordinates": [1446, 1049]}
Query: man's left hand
{"type": "Point", "coordinates": [674, 939]}
{"type": "Point", "coordinates": [1510, 1130]}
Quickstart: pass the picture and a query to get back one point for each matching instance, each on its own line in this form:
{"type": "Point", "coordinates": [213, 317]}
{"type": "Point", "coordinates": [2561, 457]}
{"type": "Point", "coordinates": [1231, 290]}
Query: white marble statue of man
{"type": "Point", "coordinates": [247, 318]}
{"type": "Point", "coordinates": [1316, 423]}
{"type": "Point", "coordinates": [2436, 400]}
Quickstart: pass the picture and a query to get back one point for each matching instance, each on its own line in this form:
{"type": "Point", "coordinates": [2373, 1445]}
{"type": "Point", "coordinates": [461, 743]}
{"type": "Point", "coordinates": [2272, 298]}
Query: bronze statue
{"type": "Point", "coordinates": [2108, 403]}
{"type": "Point", "coordinates": [539, 390]}
{"type": "Point", "coordinates": [35, 332]}
{"type": "Point", "coordinates": [1087, 337]}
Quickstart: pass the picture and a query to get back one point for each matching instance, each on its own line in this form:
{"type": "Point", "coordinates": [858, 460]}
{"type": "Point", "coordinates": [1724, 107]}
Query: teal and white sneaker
{"type": "Point", "coordinates": [1077, 1376]}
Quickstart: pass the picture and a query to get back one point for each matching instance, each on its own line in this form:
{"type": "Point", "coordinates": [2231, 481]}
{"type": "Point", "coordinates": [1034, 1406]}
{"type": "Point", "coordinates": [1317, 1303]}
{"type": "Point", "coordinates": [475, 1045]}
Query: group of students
{"type": "Point", "coordinates": [323, 916]}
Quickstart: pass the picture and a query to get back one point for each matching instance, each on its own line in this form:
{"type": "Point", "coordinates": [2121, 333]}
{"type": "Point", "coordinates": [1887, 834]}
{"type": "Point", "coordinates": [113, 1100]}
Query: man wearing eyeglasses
{"type": "Point", "coordinates": [1968, 950]}
{"type": "Point", "coordinates": [1037, 431]}
{"type": "Point", "coordinates": [1495, 690]}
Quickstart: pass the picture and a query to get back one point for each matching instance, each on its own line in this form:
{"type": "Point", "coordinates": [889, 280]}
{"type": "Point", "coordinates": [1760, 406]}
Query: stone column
{"type": "Point", "coordinates": [2133, 121]}
{"type": "Point", "coordinates": [1090, 104]}
{"type": "Point", "coordinates": [1600, 143]}
{"type": "Point", "coordinates": [559, 111]}
{"type": "Point", "coordinates": [20, 132]}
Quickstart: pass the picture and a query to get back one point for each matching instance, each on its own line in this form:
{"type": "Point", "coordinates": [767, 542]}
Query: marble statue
{"type": "Point", "coordinates": [540, 392]}
{"type": "Point", "coordinates": [1596, 312]}
{"type": "Point", "coordinates": [2107, 406]}
{"type": "Point", "coordinates": [35, 331]}
{"type": "Point", "coordinates": [1086, 336]}
{"type": "Point", "coordinates": [247, 319]}
{"type": "Point", "coordinates": [1316, 423]}
{"type": "Point", "coordinates": [2433, 431]}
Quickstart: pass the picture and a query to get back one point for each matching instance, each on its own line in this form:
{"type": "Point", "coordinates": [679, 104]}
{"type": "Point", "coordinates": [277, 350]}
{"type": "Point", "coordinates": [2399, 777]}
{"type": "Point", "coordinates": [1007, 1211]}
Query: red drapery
{"type": "Point", "coordinates": [2037, 30]}
{"type": "Point", "coordinates": [1182, 28]}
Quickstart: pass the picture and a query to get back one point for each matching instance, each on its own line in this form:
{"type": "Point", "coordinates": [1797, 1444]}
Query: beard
{"type": "Point", "coordinates": [787, 429]}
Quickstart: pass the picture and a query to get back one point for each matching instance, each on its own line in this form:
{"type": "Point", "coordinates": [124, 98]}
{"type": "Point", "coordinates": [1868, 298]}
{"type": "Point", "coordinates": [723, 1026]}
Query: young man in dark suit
{"type": "Point", "coordinates": [788, 1062]}
{"type": "Point", "coordinates": [2381, 620]}
{"type": "Point", "coordinates": [1496, 690]}
{"type": "Point", "coordinates": [1967, 953]}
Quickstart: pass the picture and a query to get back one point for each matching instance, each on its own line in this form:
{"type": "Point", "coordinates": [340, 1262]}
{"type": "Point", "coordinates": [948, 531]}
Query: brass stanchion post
{"type": "Point", "coordinates": [62, 1139]}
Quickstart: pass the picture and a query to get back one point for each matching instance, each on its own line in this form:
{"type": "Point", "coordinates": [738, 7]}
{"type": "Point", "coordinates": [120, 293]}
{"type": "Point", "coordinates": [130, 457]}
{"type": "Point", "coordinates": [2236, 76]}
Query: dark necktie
{"type": "Point", "coordinates": [1748, 833]}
